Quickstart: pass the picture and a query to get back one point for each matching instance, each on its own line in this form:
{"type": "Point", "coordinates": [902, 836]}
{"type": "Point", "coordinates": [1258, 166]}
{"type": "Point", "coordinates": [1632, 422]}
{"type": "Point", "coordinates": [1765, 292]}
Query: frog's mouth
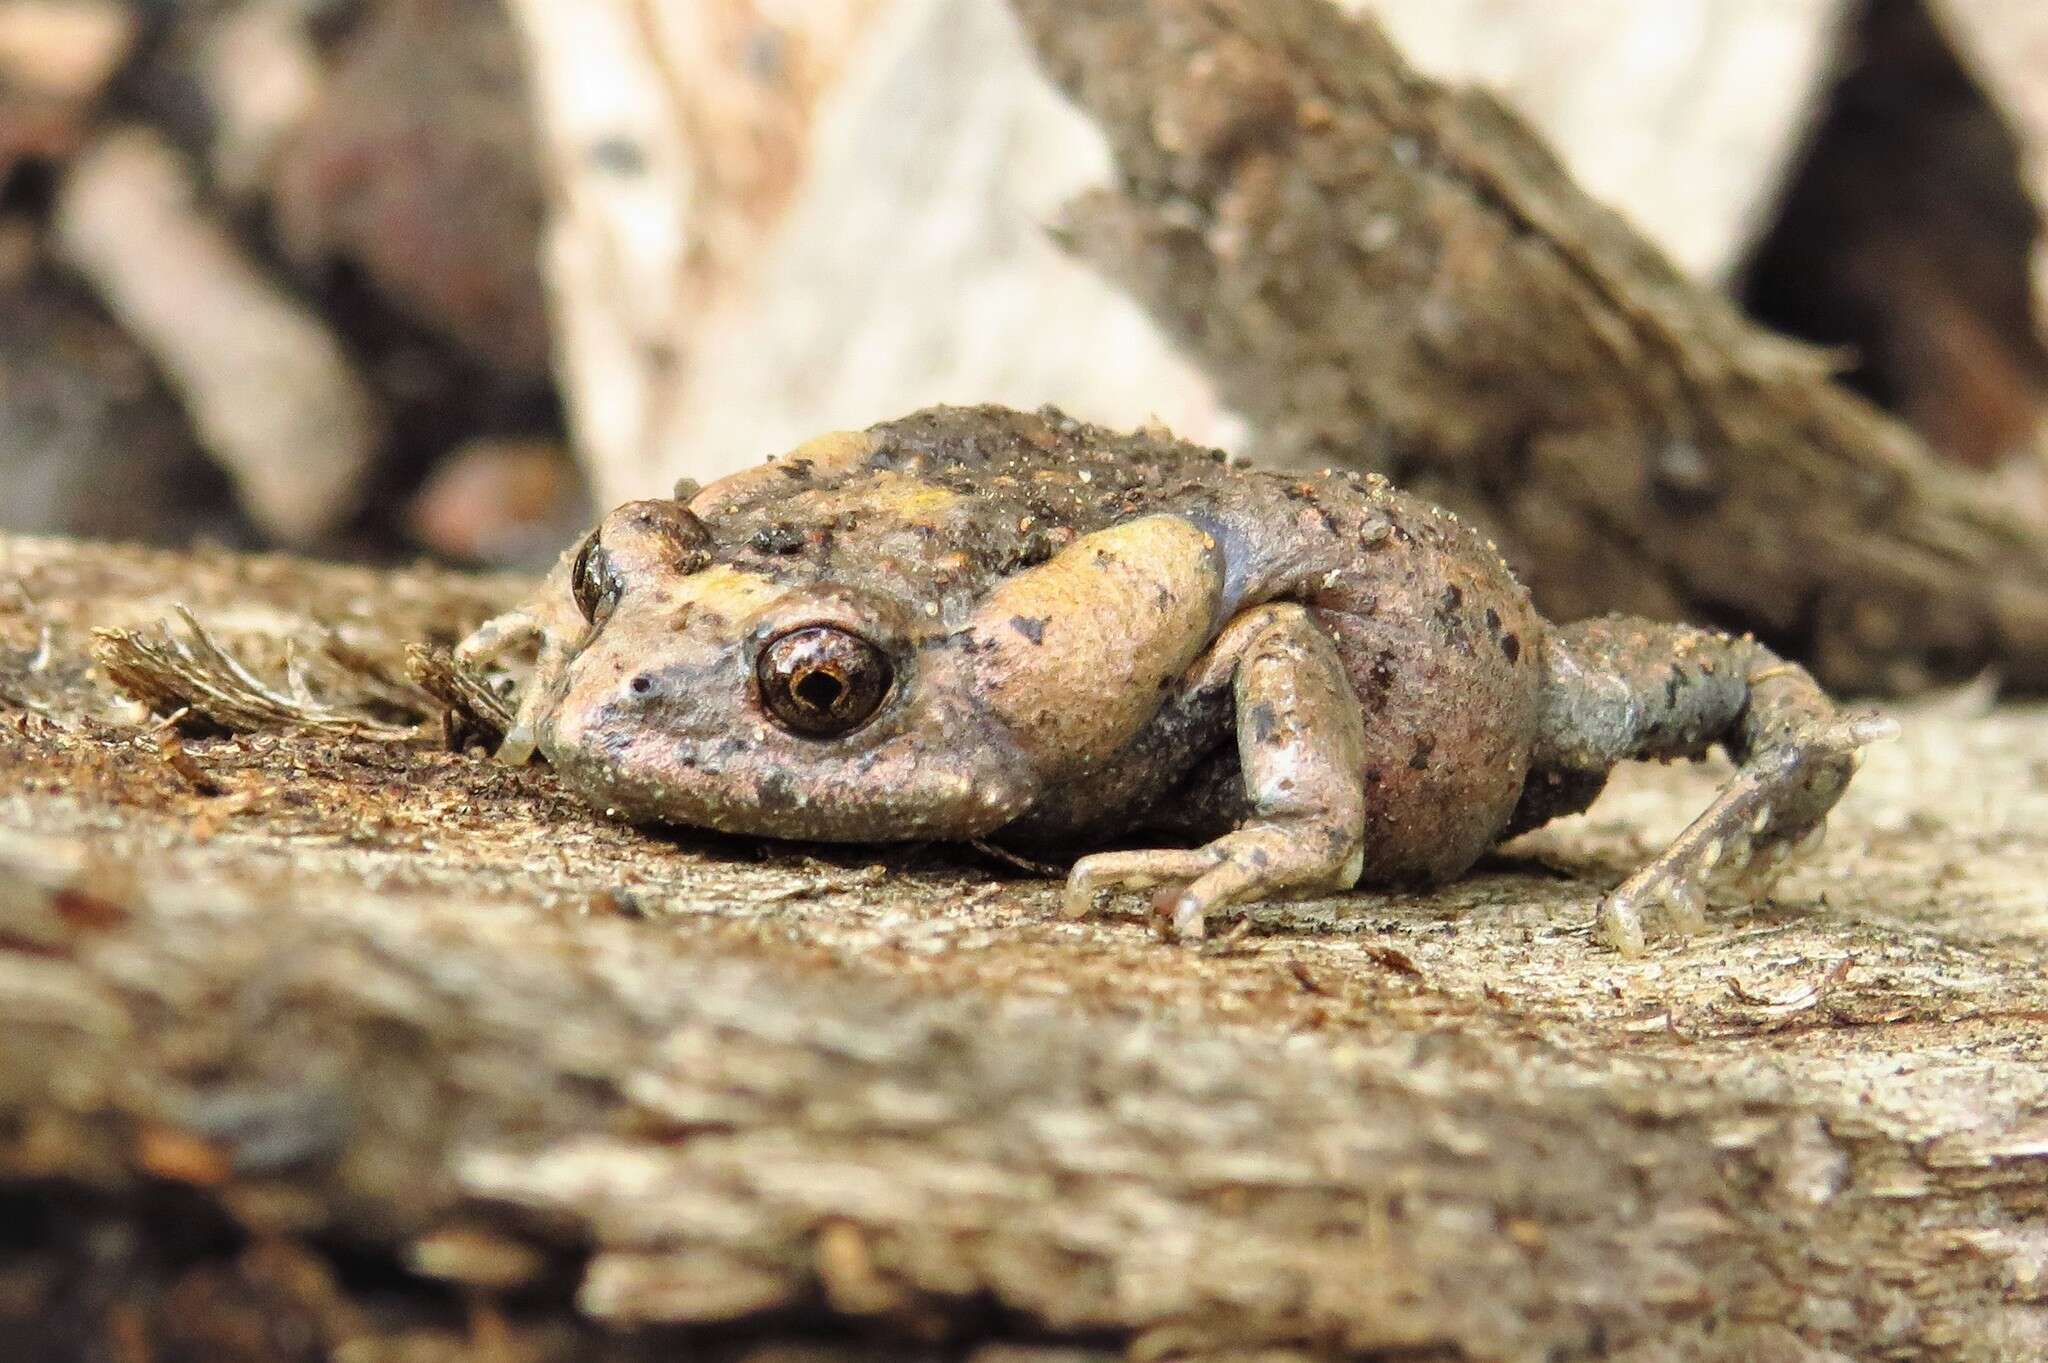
{"type": "Point", "coordinates": [890, 787]}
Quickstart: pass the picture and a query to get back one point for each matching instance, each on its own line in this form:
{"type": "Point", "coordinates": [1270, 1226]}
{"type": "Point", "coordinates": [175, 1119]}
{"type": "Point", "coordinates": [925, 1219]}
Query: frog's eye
{"type": "Point", "coordinates": [594, 581]}
{"type": "Point", "coordinates": [822, 682]}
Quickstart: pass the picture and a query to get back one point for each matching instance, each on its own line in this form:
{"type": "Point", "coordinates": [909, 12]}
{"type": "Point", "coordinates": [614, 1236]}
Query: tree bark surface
{"type": "Point", "coordinates": [1684, 116]}
{"type": "Point", "coordinates": [359, 1035]}
{"type": "Point", "coordinates": [1384, 272]}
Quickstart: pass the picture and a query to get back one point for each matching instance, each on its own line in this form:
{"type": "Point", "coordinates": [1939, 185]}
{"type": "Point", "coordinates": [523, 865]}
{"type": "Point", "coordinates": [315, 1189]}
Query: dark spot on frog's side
{"type": "Point", "coordinates": [966, 640]}
{"type": "Point", "coordinates": [1264, 721]}
{"type": "Point", "coordinates": [618, 155]}
{"type": "Point", "coordinates": [775, 791]}
{"type": "Point", "coordinates": [1420, 760]}
{"type": "Point", "coordinates": [1511, 646]}
{"type": "Point", "coordinates": [1030, 628]}
{"type": "Point", "coordinates": [795, 468]}
{"type": "Point", "coordinates": [1450, 620]}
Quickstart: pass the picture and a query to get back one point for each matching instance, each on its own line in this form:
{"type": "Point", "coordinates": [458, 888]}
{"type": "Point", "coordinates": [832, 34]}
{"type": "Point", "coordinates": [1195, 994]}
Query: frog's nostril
{"type": "Point", "coordinates": [642, 684]}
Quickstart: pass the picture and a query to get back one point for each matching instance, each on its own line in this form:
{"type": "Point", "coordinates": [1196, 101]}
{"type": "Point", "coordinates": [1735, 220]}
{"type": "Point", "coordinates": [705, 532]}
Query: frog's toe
{"type": "Point", "coordinates": [497, 637]}
{"type": "Point", "coordinates": [1234, 881]}
{"type": "Point", "coordinates": [1130, 871]}
{"type": "Point", "coordinates": [1653, 897]}
{"type": "Point", "coordinates": [1620, 922]}
{"type": "Point", "coordinates": [1259, 861]}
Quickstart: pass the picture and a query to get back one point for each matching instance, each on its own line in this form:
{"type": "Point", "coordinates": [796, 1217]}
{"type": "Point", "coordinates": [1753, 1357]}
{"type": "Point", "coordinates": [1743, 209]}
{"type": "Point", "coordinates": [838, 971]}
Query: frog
{"type": "Point", "coordinates": [1218, 683]}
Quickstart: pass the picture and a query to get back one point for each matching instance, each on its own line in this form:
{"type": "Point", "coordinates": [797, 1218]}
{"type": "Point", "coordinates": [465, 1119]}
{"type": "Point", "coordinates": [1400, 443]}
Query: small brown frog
{"type": "Point", "coordinates": [975, 623]}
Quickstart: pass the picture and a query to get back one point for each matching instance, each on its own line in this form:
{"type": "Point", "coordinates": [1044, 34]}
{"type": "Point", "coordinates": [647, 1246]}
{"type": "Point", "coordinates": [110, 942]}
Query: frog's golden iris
{"type": "Point", "coordinates": [822, 682]}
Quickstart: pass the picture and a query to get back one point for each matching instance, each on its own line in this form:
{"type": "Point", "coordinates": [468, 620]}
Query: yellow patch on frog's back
{"type": "Point", "coordinates": [733, 593]}
{"type": "Point", "coordinates": [1079, 650]}
{"type": "Point", "coordinates": [889, 496]}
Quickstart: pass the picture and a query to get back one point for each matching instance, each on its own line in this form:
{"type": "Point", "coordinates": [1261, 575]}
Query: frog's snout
{"type": "Point", "coordinates": [593, 721]}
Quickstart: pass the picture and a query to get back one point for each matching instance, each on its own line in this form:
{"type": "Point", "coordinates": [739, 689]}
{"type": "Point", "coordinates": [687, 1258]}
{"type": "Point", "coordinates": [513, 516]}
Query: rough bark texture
{"type": "Point", "coordinates": [861, 224]}
{"type": "Point", "coordinates": [1384, 272]}
{"type": "Point", "coordinates": [347, 1040]}
{"type": "Point", "coordinates": [1684, 116]}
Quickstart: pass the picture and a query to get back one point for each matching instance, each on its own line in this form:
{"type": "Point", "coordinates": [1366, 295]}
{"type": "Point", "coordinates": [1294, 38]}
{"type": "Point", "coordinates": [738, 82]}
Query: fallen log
{"type": "Point", "coordinates": [347, 1039]}
{"type": "Point", "coordinates": [1384, 272]}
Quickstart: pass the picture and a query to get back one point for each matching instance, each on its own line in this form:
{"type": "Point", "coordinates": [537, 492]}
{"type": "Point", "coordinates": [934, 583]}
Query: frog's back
{"type": "Point", "coordinates": [1062, 473]}
{"type": "Point", "coordinates": [946, 502]}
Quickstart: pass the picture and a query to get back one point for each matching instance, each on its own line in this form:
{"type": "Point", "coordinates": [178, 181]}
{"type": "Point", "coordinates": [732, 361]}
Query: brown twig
{"type": "Point", "coordinates": [473, 710]}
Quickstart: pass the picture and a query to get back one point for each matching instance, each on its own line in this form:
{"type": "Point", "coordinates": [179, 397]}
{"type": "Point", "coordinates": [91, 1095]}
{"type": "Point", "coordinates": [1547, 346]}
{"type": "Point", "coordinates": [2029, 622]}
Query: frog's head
{"type": "Point", "coordinates": [716, 696]}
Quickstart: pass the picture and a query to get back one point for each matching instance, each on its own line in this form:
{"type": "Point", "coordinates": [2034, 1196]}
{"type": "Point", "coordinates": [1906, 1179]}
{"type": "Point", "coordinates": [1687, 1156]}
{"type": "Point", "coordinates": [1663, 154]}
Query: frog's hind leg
{"type": "Point", "coordinates": [1617, 689]}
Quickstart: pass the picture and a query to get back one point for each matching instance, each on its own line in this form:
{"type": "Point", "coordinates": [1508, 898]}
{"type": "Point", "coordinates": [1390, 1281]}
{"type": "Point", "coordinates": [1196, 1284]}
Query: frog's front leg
{"type": "Point", "coordinates": [548, 621]}
{"type": "Point", "coordinates": [1301, 742]}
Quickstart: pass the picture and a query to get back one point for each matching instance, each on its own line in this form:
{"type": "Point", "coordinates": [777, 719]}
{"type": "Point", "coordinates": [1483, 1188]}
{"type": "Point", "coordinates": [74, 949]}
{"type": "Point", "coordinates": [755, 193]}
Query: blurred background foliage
{"type": "Point", "coordinates": [308, 273]}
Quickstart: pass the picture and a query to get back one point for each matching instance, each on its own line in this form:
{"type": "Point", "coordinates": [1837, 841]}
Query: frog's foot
{"type": "Point", "coordinates": [536, 626]}
{"type": "Point", "coordinates": [1770, 816]}
{"type": "Point", "coordinates": [1259, 861]}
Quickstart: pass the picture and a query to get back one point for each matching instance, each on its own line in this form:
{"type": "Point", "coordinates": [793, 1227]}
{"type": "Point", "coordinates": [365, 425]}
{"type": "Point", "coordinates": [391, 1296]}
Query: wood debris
{"type": "Point", "coordinates": [189, 672]}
